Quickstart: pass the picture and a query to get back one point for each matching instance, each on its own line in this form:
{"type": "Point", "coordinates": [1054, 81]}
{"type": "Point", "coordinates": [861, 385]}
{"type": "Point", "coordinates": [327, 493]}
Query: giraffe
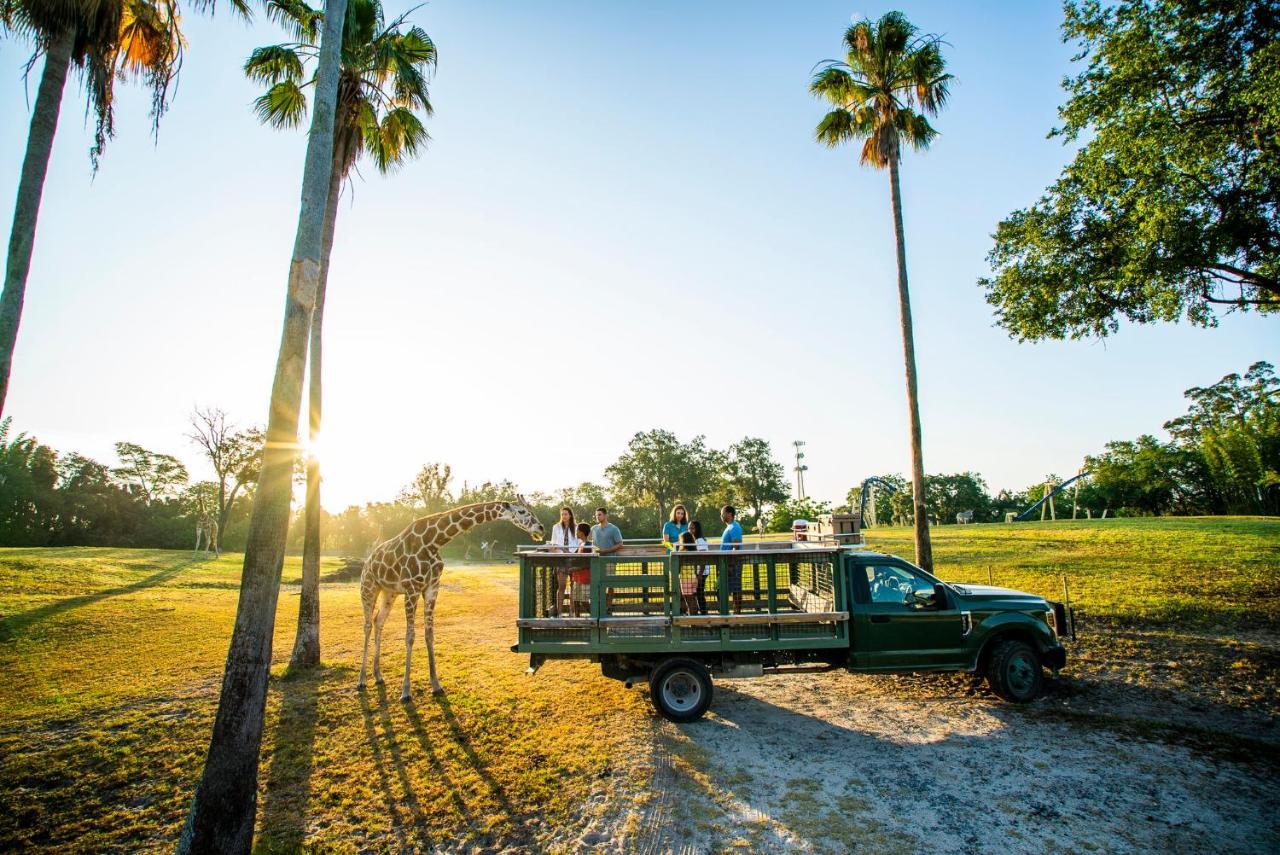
{"type": "Point", "coordinates": [207, 528]}
{"type": "Point", "coordinates": [410, 564]}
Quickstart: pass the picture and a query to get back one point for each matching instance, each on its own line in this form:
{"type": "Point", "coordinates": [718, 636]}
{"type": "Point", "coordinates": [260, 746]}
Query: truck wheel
{"type": "Point", "coordinates": [680, 689]}
{"type": "Point", "coordinates": [1014, 672]}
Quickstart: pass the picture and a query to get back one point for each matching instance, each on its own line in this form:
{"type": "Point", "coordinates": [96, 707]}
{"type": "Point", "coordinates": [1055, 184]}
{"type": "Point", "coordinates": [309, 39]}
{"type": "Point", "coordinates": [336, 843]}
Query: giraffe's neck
{"type": "Point", "coordinates": [452, 523]}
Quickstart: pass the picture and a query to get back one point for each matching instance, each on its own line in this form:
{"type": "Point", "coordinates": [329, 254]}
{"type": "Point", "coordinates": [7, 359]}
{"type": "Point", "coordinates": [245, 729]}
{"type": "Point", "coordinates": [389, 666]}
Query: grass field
{"type": "Point", "coordinates": [110, 662]}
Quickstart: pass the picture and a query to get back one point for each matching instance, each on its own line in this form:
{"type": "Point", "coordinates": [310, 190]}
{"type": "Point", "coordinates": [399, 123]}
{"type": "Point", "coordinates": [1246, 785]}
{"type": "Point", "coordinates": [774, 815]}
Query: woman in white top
{"type": "Point", "coordinates": [563, 539]}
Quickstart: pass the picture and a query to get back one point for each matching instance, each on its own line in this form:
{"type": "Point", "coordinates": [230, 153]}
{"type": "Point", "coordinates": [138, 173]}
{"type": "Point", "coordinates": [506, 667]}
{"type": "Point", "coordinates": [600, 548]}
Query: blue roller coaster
{"type": "Point", "coordinates": [882, 484]}
{"type": "Point", "coordinates": [1022, 517]}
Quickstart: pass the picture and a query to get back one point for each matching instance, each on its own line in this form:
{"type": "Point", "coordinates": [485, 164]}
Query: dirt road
{"type": "Point", "coordinates": [839, 763]}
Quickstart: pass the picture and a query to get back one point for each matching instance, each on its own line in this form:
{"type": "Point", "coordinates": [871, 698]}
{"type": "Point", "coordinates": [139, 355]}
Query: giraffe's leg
{"type": "Point", "coordinates": [430, 634]}
{"type": "Point", "coordinates": [384, 609]}
{"type": "Point", "coordinates": [368, 599]}
{"type": "Point", "coordinates": [410, 609]}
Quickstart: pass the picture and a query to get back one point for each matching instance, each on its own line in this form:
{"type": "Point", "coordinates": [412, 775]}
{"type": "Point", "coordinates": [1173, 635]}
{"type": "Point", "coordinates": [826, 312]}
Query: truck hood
{"type": "Point", "coordinates": [988, 593]}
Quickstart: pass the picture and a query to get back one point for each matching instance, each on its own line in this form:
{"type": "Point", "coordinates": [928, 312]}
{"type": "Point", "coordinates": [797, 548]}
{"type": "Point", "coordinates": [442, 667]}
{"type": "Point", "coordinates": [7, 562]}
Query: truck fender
{"type": "Point", "coordinates": [1007, 627]}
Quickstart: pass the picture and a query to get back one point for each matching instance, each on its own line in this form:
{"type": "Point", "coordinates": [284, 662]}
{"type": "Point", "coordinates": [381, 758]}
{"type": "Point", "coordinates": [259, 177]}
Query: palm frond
{"type": "Point", "coordinates": [273, 63]}
{"type": "Point", "coordinates": [835, 129]}
{"type": "Point", "coordinates": [297, 18]}
{"type": "Point", "coordinates": [283, 105]}
{"type": "Point", "coordinates": [400, 137]}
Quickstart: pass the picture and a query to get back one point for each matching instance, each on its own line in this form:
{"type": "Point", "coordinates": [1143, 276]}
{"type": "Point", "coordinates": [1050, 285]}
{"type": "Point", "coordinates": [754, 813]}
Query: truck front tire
{"type": "Point", "coordinates": [680, 689]}
{"type": "Point", "coordinates": [1014, 672]}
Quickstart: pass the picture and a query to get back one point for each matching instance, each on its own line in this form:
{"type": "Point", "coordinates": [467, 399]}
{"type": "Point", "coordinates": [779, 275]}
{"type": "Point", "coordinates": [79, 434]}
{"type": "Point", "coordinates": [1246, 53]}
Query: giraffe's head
{"type": "Point", "coordinates": [519, 514]}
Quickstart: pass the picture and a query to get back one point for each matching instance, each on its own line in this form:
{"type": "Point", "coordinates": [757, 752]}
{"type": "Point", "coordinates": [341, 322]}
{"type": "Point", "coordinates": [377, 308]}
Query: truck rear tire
{"type": "Point", "coordinates": [680, 689]}
{"type": "Point", "coordinates": [1014, 672]}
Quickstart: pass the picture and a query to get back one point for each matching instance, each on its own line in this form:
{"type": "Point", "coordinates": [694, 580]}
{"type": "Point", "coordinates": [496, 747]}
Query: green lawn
{"type": "Point", "coordinates": [1200, 572]}
{"type": "Point", "coordinates": [110, 662]}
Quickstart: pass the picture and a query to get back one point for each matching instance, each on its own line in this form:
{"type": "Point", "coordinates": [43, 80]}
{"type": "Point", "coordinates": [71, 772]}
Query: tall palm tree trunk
{"type": "Point", "coordinates": [35, 165]}
{"type": "Point", "coordinates": [924, 550]}
{"type": "Point", "coordinates": [221, 818]}
{"type": "Point", "coordinates": [306, 642]}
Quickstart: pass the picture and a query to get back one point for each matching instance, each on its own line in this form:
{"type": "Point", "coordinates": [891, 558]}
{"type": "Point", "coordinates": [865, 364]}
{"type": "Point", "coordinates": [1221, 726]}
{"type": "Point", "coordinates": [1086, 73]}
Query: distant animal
{"type": "Point", "coordinates": [410, 564]}
{"type": "Point", "coordinates": [964, 517]}
{"type": "Point", "coordinates": [207, 529]}
{"type": "Point", "coordinates": [486, 549]}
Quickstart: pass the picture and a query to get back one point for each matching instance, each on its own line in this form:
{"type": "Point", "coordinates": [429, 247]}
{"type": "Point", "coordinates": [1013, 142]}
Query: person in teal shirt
{"type": "Point", "coordinates": [731, 540]}
{"type": "Point", "coordinates": [674, 527]}
{"type": "Point", "coordinates": [605, 536]}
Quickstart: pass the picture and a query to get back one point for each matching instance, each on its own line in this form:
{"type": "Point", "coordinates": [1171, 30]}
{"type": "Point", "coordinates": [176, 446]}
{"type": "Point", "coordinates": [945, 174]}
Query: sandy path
{"type": "Point", "coordinates": [838, 763]}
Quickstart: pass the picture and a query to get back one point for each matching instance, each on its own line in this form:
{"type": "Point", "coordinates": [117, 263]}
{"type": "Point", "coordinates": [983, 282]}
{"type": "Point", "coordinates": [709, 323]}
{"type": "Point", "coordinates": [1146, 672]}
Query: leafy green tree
{"type": "Point", "coordinates": [754, 475]}
{"type": "Point", "coordinates": [949, 495]}
{"type": "Point", "coordinates": [658, 469]}
{"type": "Point", "coordinates": [1234, 425]}
{"type": "Point", "coordinates": [891, 80]}
{"type": "Point", "coordinates": [1169, 209]}
{"type": "Point", "coordinates": [235, 455]}
{"type": "Point", "coordinates": [153, 475]}
{"type": "Point", "coordinates": [382, 88]}
{"type": "Point", "coordinates": [107, 41]}
{"type": "Point", "coordinates": [221, 818]}
{"type": "Point", "coordinates": [28, 478]}
{"type": "Point", "coordinates": [784, 513]}
{"type": "Point", "coordinates": [1141, 475]}
{"type": "Point", "coordinates": [428, 492]}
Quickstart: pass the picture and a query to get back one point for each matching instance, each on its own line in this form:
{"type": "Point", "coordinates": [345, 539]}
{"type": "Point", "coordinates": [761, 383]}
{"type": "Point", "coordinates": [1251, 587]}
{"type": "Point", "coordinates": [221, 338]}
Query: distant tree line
{"type": "Point", "coordinates": [1222, 456]}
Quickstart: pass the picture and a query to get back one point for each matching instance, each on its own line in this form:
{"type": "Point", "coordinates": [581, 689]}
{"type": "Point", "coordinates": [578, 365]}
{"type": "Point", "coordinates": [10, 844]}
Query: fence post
{"type": "Point", "coordinates": [989, 577]}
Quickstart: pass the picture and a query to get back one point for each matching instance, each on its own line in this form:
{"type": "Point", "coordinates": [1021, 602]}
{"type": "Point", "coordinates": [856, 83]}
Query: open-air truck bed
{"type": "Point", "coordinates": [791, 599]}
{"type": "Point", "coordinates": [780, 606]}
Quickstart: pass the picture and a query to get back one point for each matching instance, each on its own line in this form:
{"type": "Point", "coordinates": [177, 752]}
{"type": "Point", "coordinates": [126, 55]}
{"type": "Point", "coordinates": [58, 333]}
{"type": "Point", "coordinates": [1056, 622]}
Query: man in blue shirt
{"type": "Point", "coordinates": [605, 536]}
{"type": "Point", "coordinates": [731, 540]}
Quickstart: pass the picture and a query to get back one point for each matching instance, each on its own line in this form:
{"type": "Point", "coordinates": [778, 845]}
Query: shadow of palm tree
{"type": "Point", "coordinates": [10, 625]}
{"type": "Point", "coordinates": [288, 788]}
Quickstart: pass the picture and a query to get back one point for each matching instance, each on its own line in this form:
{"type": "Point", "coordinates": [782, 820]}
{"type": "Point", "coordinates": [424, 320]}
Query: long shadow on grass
{"type": "Point", "coordinates": [288, 792]}
{"type": "Point", "coordinates": [10, 625]}
{"type": "Point", "coordinates": [388, 753]}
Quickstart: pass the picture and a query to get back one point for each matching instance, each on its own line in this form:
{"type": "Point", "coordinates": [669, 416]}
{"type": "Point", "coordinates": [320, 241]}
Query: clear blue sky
{"type": "Point", "coordinates": [620, 200]}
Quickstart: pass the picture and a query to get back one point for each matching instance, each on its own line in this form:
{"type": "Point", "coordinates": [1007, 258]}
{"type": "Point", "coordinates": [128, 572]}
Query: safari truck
{"type": "Point", "coordinates": [676, 619]}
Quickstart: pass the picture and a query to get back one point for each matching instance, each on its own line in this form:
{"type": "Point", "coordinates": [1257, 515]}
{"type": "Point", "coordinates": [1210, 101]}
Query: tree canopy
{"type": "Point", "coordinates": [1169, 209]}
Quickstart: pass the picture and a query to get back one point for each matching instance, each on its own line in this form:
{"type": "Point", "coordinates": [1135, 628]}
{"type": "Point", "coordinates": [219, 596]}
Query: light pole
{"type": "Point", "coordinates": [800, 468]}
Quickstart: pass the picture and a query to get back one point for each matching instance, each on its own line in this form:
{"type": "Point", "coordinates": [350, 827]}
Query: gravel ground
{"type": "Point", "coordinates": [840, 762]}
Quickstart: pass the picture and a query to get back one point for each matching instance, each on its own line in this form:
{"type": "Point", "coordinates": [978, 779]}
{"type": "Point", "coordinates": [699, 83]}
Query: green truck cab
{"type": "Point", "coordinates": [676, 620]}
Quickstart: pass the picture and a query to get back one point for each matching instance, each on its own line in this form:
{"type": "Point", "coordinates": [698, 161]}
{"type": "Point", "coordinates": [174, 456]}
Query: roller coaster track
{"type": "Point", "coordinates": [1025, 515]}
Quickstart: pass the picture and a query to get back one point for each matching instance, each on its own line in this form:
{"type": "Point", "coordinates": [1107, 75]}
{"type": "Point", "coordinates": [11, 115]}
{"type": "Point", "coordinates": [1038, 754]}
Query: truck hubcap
{"type": "Point", "coordinates": [681, 691]}
{"type": "Point", "coordinates": [1021, 674]}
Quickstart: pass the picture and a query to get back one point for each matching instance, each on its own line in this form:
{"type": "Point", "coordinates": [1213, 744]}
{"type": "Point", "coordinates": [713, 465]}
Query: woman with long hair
{"type": "Point", "coordinates": [563, 539]}
{"type": "Point", "coordinates": [674, 527]}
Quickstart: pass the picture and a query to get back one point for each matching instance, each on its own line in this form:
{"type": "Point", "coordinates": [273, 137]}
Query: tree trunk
{"type": "Point", "coordinates": [306, 642]}
{"type": "Point", "coordinates": [26, 210]}
{"type": "Point", "coordinates": [221, 818]}
{"type": "Point", "coordinates": [924, 550]}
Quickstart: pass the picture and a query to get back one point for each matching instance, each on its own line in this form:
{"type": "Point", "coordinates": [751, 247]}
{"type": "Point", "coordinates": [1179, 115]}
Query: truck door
{"type": "Point", "coordinates": [892, 630]}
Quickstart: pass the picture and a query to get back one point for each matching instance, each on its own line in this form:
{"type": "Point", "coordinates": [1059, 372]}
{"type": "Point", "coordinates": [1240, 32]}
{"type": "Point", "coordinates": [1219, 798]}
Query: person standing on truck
{"type": "Point", "coordinates": [704, 570]}
{"type": "Point", "coordinates": [605, 536]}
{"type": "Point", "coordinates": [563, 539]}
{"type": "Point", "coordinates": [580, 594]}
{"type": "Point", "coordinates": [674, 527]}
{"type": "Point", "coordinates": [731, 541]}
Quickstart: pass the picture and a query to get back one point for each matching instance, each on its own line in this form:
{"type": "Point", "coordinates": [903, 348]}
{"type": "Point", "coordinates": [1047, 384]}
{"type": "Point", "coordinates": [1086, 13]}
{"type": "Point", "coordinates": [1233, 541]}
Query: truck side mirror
{"type": "Point", "coordinates": [923, 599]}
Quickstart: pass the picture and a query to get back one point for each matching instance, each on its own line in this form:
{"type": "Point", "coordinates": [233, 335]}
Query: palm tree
{"type": "Point", "coordinates": [107, 40]}
{"type": "Point", "coordinates": [892, 77]}
{"type": "Point", "coordinates": [222, 812]}
{"type": "Point", "coordinates": [383, 84]}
